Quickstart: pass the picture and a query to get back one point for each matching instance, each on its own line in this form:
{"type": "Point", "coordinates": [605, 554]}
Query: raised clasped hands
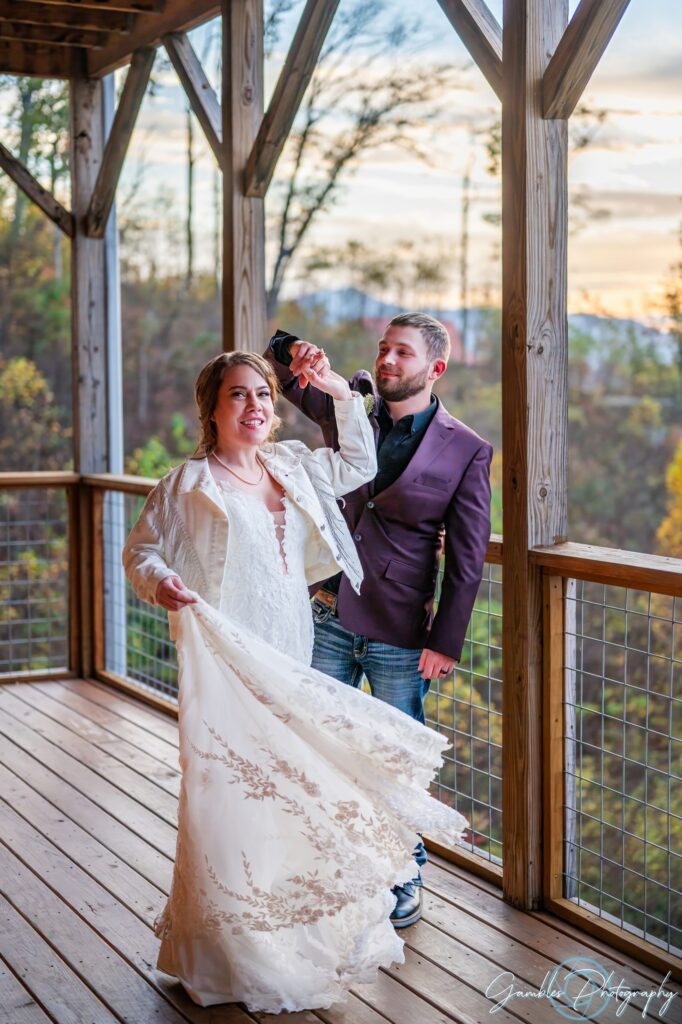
{"type": "Point", "coordinates": [310, 364]}
{"type": "Point", "coordinates": [173, 595]}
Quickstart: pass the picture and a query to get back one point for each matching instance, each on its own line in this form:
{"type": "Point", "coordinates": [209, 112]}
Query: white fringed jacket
{"type": "Point", "coordinates": [183, 527]}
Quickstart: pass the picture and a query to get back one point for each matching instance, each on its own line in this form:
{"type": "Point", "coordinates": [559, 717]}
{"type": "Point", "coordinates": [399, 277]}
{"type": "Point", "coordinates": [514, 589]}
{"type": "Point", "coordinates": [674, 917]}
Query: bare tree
{"type": "Point", "coordinates": [369, 90]}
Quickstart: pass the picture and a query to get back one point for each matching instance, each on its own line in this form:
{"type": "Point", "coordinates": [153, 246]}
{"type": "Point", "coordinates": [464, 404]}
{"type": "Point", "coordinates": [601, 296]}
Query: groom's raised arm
{"type": "Point", "coordinates": [313, 403]}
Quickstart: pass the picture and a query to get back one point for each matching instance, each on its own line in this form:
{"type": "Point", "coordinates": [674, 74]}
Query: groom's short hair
{"type": "Point", "coordinates": [433, 332]}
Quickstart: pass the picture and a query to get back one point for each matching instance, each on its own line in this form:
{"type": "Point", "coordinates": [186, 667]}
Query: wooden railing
{"type": "Point", "coordinates": [568, 569]}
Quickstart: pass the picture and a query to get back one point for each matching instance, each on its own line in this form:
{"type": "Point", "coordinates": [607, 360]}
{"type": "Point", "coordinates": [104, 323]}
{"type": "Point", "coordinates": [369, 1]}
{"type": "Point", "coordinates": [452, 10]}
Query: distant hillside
{"type": "Point", "coordinates": [335, 305]}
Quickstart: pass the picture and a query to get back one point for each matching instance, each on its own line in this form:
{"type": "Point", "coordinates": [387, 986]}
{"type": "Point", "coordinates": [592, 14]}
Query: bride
{"type": "Point", "coordinates": [300, 796]}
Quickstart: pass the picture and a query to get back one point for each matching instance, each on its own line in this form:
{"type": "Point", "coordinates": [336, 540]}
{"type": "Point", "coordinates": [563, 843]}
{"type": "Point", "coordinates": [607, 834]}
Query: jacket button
{"type": "Point", "coordinates": [299, 497]}
{"type": "Point", "coordinates": [357, 536]}
{"type": "Point", "coordinates": [370, 504]}
{"type": "Point", "coordinates": [337, 555]}
{"type": "Point", "coordinates": [321, 527]}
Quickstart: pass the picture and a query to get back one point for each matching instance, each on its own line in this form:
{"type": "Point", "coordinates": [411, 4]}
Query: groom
{"type": "Point", "coordinates": [431, 495]}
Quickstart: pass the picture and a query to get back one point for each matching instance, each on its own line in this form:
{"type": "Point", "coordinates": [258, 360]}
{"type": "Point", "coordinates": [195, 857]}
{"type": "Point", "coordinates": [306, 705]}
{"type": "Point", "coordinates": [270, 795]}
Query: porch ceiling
{"type": "Point", "coordinates": [64, 38]}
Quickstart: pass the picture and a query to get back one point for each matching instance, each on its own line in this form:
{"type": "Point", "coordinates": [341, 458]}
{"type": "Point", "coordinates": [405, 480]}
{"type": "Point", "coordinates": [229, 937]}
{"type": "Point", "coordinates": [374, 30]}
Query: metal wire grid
{"type": "Point", "coordinates": [34, 580]}
{"type": "Point", "coordinates": [137, 642]}
{"type": "Point", "coordinates": [623, 719]}
{"type": "Point", "coordinates": [467, 707]}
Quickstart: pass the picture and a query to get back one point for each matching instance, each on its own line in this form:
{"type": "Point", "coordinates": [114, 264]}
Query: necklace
{"type": "Point", "coordinates": [250, 483]}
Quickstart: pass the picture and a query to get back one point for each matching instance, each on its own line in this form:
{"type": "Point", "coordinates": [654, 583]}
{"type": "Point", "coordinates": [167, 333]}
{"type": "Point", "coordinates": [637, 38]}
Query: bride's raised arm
{"type": "Point", "coordinates": [355, 463]}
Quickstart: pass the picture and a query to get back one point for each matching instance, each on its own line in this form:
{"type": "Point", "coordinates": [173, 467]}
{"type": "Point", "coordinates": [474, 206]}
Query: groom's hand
{"type": "Point", "coordinates": [433, 665]}
{"type": "Point", "coordinates": [306, 361]}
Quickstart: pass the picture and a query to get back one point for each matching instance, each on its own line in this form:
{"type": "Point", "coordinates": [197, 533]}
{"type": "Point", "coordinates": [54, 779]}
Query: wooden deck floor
{"type": "Point", "coordinates": [89, 784]}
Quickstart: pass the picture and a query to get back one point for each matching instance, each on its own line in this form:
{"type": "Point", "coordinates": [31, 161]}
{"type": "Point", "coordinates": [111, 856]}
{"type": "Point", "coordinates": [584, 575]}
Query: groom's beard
{"type": "Point", "coordinates": [397, 389]}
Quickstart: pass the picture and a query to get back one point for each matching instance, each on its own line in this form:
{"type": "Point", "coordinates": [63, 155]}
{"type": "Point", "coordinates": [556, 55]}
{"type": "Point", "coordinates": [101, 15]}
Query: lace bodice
{"type": "Point", "coordinates": [264, 588]}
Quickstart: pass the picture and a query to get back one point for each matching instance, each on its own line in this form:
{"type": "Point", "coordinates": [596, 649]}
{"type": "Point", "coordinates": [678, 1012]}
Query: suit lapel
{"type": "Point", "coordinates": [437, 436]}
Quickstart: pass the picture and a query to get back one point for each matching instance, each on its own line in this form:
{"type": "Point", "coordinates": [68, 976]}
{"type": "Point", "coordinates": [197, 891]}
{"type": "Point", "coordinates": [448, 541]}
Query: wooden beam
{"type": "Point", "coordinates": [480, 32]}
{"type": "Point", "coordinates": [200, 94]}
{"type": "Point", "coordinates": [39, 60]}
{"type": "Point", "coordinates": [292, 83]}
{"type": "Point", "coordinates": [65, 14]}
{"type": "Point", "coordinates": [130, 6]}
{"type": "Point", "coordinates": [578, 53]}
{"type": "Point", "coordinates": [87, 284]}
{"type": "Point", "coordinates": [553, 744]}
{"type": "Point", "coordinates": [659, 574]}
{"type": "Point", "coordinates": [118, 142]}
{"type": "Point", "coordinates": [534, 413]}
{"type": "Point", "coordinates": [54, 35]}
{"type": "Point", "coordinates": [243, 218]}
{"type": "Point", "coordinates": [35, 192]}
{"type": "Point", "coordinates": [149, 30]}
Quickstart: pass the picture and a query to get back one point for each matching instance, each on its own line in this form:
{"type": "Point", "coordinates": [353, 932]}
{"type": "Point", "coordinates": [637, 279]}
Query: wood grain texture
{"type": "Point", "coordinates": [578, 54]}
{"type": "Point", "coordinates": [49, 478]}
{"type": "Point", "coordinates": [53, 35]}
{"type": "Point", "coordinates": [70, 15]}
{"type": "Point", "coordinates": [292, 83]}
{"type": "Point", "coordinates": [98, 581]}
{"type": "Point", "coordinates": [35, 191]}
{"type": "Point", "coordinates": [149, 30]}
{"type": "Point", "coordinates": [534, 413]}
{"type": "Point", "coordinates": [18, 57]}
{"type": "Point", "coordinates": [244, 323]}
{"type": "Point", "coordinates": [131, 6]}
{"type": "Point", "coordinates": [104, 191]}
{"type": "Point", "coordinates": [87, 284]}
{"type": "Point", "coordinates": [553, 737]}
{"type": "Point", "coordinates": [480, 32]}
{"type": "Point", "coordinates": [122, 484]}
{"type": "Point", "coordinates": [657, 573]}
{"type": "Point", "coordinates": [198, 89]}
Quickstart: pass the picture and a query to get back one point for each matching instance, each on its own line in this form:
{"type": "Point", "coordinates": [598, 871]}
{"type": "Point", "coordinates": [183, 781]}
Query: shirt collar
{"type": "Point", "coordinates": [413, 422]}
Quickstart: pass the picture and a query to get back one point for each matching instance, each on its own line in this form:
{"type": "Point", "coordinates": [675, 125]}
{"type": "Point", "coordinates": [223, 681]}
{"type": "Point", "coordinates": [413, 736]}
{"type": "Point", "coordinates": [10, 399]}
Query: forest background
{"type": "Point", "coordinates": [392, 121]}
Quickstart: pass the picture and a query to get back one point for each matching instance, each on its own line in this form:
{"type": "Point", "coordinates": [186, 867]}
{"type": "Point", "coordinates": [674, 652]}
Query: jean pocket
{"type": "Point", "coordinates": [321, 612]}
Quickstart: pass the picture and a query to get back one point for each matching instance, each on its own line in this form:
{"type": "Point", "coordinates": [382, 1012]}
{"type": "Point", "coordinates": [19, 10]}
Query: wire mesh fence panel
{"type": "Point", "coordinates": [623, 741]}
{"type": "Point", "coordinates": [137, 642]}
{"type": "Point", "coordinates": [467, 708]}
{"type": "Point", "coordinates": [34, 580]}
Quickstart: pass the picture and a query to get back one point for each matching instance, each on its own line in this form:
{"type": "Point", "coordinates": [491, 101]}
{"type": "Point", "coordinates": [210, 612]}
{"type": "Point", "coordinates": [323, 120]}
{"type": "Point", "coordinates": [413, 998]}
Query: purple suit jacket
{"type": "Point", "coordinates": [441, 501]}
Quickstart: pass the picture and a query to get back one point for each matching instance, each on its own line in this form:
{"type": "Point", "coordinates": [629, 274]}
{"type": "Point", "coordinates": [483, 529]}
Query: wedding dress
{"type": "Point", "coordinates": [300, 795]}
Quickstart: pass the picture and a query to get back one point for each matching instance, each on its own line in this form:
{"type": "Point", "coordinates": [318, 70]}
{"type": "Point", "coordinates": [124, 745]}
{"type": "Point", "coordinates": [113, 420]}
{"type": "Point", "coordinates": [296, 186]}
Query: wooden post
{"type": "Point", "coordinates": [534, 411]}
{"type": "Point", "coordinates": [88, 327]}
{"type": "Point", "coordinates": [553, 748]}
{"type": "Point", "coordinates": [244, 322]}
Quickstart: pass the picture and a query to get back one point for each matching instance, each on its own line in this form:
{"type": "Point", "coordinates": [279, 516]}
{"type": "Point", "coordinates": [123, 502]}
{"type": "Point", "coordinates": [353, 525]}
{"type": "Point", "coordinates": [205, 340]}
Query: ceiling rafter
{"type": "Point", "coordinates": [149, 30]}
{"type": "Point", "coordinates": [480, 32]}
{"type": "Point", "coordinates": [131, 6]}
{"type": "Point", "coordinates": [35, 192]}
{"type": "Point", "coordinates": [576, 57]}
{"type": "Point", "coordinates": [65, 14]}
{"type": "Point", "coordinates": [199, 90]}
{"type": "Point", "coordinates": [118, 141]}
{"type": "Point", "coordinates": [292, 83]}
{"type": "Point", "coordinates": [18, 57]}
{"type": "Point", "coordinates": [54, 35]}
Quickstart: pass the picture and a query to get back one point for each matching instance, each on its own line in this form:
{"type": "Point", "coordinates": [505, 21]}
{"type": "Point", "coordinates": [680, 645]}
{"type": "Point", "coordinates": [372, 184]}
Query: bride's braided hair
{"type": "Point", "coordinates": [207, 387]}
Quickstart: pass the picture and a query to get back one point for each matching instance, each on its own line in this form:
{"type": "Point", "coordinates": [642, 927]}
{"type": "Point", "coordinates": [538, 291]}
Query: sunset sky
{"type": "Point", "coordinates": [631, 173]}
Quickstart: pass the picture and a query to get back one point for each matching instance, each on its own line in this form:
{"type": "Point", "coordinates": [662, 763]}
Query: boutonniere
{"type": "Point", "coordinates": [368, 402]}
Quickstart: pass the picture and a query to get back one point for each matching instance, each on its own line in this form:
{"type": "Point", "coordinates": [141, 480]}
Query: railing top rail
{"type": "Point", "coordinates": [121, 483]}
{"type": "Point", "coordinates": [50, 478]}
{"type": "Point", "coordinates": [612, 566]}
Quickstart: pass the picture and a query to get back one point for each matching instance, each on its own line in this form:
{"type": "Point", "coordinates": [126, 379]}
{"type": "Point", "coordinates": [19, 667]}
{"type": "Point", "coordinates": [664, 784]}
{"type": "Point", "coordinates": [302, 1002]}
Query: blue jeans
{"type": "Point", "coordinates": [390, 671]}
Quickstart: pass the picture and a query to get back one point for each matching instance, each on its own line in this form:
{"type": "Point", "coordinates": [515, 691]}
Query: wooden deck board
{"type": "Point", "coordinates": [89, 777]}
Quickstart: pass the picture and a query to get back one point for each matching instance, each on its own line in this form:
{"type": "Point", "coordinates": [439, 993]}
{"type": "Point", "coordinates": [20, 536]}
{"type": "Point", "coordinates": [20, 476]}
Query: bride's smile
{"type": "Point", "coordinates": [244, 410]}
